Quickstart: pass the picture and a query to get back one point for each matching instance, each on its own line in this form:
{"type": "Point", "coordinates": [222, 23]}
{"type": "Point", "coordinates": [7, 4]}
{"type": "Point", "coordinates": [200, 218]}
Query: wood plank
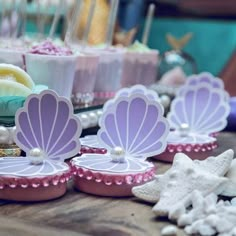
{"type": "Point", "coordinates": [13, 227]}
{"type": "Point", "coordinates": [87, 214]}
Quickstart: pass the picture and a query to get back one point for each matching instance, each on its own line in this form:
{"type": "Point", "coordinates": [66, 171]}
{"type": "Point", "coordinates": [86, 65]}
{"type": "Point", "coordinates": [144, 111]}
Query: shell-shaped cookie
{"type": "Point", "coordinates": [203, 108]}
{"type": "Point", "coordinates": [11, 88]}
{"type": "Point", "coordinates": [136, 124]}
{"type": "Point", "coordinates": [14, 73]}
{"type": "Point", "coordinates": [47, 122]}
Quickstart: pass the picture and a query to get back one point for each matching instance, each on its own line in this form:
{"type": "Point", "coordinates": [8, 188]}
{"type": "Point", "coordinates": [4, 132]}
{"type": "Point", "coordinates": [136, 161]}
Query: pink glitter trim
{"type": "Point", "coordinates": [25, 182]}
{"type": "Point", "coordinates": [114, 179]}
{"type": "Point", "coordinates": [214, 135]}
{"type": "Point", "coordinates": [104, 94]}
{"type": "Point", "coordinates": [87, 149]}
{"type": "Point", "coordinates": [172, 148]}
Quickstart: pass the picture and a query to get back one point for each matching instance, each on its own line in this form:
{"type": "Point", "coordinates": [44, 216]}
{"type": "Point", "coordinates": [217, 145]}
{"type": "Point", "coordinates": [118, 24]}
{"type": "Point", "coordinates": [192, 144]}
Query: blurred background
{"type": "Point", "coordinates": [212, 25]}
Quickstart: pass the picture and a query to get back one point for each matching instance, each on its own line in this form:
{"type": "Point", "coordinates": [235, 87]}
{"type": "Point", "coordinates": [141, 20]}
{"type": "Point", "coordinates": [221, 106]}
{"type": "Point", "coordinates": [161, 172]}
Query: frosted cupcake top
{"type": "Point", "coordinates": [49, 48]}
{"type": "Point", "coordinates": [138, 47]}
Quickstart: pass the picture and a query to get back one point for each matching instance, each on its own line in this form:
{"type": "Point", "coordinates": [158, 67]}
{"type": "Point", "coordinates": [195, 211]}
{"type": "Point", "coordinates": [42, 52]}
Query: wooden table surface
{"type": "Point", "coordinates": [81, 214]}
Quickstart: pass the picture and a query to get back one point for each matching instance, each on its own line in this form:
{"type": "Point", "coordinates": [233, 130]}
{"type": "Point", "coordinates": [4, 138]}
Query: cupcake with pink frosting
{"type": "Point", "coordinates": [52, 65]}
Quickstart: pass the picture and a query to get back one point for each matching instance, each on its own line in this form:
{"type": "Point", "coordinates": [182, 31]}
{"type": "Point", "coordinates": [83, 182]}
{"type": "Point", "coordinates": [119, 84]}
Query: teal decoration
{"type": "Point", "coordinates": [211, 46]}
{"type": "Point", "coordinates": [8, 107]}
{"type": "Point", "coordinates": [31, 26]}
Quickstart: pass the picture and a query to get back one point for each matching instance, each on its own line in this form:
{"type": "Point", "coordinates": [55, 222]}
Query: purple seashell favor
{"type": "Point", "coordinates": [202, 107]}
{"type": "Point", "coordinates": [199, 110]}
{"type": "Point", "coordinates": [203, 78]}
{"type": "Point", "coordinates": [133, 128]}
{"type": "Point", "coordinates": [127, 92]}
{"type": "Point", "coordinates": [48, 131]}
{"type": "Point", "coordinates": [47, 122]}
{"type": "Point", "coordinates": [135, 124]}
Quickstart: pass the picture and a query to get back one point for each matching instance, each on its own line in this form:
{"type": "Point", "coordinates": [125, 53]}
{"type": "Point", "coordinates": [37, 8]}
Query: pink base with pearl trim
{"type": "Point", "coordinates": [194, 151]}
{"type": "Point", "coordinates": [33, 194]}
{"type": "Point", "coordinates": [109, 185]}
{"type": "Point", "coordinates": [34, 189]}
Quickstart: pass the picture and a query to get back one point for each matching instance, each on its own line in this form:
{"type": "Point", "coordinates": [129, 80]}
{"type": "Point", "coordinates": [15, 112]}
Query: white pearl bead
{"type": "Point", "coordinates": [36, 152]}
{"type": "Point", "coordinates": [12, 131]}
{"type": "Point", "coordinates": [118, 154]}
{"type": "Point", "coordinates": [36, 156]}
{"type": "Point", "coordinates": [93, 119]}
{"type": "Point", "coordinates": [84, 120]}
{"type": "Point", "coordinates": [4, 135]}
{"type": "Point", "coordinates": [165, 101]}
{"type": "Point", "coordinates": [184, 129]}
{"type": "Point", "coordinates": [99, 113]}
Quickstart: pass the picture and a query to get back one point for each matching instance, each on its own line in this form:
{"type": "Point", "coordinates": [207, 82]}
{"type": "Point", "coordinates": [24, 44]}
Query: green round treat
{"type": "Point", "coordinates": [138, 47]}
{"type": "Point", "coordinates": [8, 107]}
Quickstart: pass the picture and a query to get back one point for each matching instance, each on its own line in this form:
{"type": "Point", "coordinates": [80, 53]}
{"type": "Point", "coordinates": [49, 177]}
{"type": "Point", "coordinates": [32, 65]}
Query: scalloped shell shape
{"type": "Point", "coordinates": [47, 122]}
{"type": "Point", "coordinates": [90, 141]}
{"type": "Point", "coordinates": [104, 163]}
{"type": "Point", "coordinates": [202, 78]}
{"type": "Point", "coordinates": [202, 107]}
{"type": "Point", "coordinates": [127, 92]}
{"type": "Point", "coordinates": [136, 124]}
{"type": "Point", "coordinates": [21, 167]}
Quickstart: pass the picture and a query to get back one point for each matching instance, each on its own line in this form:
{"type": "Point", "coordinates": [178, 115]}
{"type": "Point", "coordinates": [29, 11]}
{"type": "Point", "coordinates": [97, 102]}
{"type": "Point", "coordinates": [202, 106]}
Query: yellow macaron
{"type": "Point", "coordinates": [9, 72]}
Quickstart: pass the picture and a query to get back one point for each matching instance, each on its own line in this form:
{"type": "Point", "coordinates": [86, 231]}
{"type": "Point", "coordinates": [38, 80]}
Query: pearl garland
{"type": "Point", "coordinates": [7, 135]}
{"type": "Point", "coordinates": [90, 119]}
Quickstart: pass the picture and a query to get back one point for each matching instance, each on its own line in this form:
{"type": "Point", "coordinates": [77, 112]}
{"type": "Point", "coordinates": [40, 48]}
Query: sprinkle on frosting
{"type": "Point", "coordinates": [48, 48]}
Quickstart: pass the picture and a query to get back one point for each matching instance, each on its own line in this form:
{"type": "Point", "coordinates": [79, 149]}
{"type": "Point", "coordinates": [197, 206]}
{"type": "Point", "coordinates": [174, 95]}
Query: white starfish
{"type": "Point", "coordinates": [172, 189]}
{"type": "Point", "coordinates": [230, 186]}
{"type": "Point", "coordinates": [218, 165]}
